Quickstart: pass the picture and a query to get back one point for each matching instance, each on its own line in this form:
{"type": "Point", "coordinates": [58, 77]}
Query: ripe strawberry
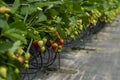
{"type": "Point", "coordinates": [54, 47]}
{"type": "Point", "coordinates": [35, 43]}
{"type": "Point", "coordinates": [49, 44]}
{"type": "Point", "coordinates": [60, 42]}
{"type": "Point", "coordinates": [57, 33]}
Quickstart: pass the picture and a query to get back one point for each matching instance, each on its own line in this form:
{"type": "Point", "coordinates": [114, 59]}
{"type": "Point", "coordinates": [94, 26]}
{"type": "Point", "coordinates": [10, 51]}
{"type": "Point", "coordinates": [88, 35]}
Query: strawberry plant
{"type": "Point", "coordinates": [45, 24]}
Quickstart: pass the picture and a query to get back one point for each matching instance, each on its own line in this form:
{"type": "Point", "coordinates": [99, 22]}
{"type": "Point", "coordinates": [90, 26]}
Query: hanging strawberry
{"type": "Point", "coordinates": [35, 43]}
{"type": "Point", "coordinates": [60, 42]}
{"type": "Point", "coordinates": [54, 47]}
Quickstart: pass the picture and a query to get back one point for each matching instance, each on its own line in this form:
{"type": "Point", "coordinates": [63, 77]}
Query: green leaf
{"type": "Point", "coordinates": [11, 74]}
{"type": "Point", "coordinates": [42, 17]}
{"type": "Point", "coordinates": [61, 32]}
{"type": "Point", "coordinates": [14, 34]}
{"type": "Point", "coordinates": [18, 25]}
{"type": "Point", "coordinates": [5, 46]}
{"type": "Point", "coordinates": [3, 3]}
{"type": "Point", "coordinates": [58, 20]}
{"type": "Point", "coordinates": [15, 6]}
{"type": "Point", "coordinates": [3, 22]}
{"type": "Point", "coordinates": [33, 0]}
{"type": "Point", "coordinates": [53, 12]}
{"type": "Point", "coordinates": [73, 21]}
{"type": "Point", "coordinates": [28, 9]}
{"type": "Point", "coordinates": [33, 36]}
{"type": "Point", "coordinates": [49, 5]}
{"type": "Point", "coordinates": [15, 46]}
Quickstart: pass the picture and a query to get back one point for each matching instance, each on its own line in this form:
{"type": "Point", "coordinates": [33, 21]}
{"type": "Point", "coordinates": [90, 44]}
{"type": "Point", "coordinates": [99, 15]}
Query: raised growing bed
{"type": "Point", "coordinates": [33, 32]}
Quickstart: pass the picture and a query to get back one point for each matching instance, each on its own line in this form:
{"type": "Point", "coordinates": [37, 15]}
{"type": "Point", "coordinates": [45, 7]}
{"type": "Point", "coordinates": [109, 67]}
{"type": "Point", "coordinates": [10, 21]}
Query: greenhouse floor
{"type": "Point", "coordinates": [99, 61]}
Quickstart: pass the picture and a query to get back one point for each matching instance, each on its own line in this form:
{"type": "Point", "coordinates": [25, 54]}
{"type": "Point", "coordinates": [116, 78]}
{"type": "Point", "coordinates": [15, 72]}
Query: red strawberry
{"type": "Point", "coordinates": [49, 44]}
{"type": "Point", "coordinates": [54, 47]}
{"type": "Point", "coordinates": [57, 33]}
{"type": "Point", "coordinates": [20, 59]}
{"type": "Point", "coordinates": [60, 42]}
{"type": "Point", "coordinates": [35, 43]}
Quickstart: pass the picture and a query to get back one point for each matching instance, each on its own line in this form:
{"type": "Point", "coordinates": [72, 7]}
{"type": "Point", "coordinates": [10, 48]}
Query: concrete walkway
{"type": "Point", "coordinates": [102, 62]}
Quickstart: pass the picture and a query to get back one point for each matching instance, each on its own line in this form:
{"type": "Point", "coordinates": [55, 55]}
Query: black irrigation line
{"type": "Point", "coordinates": [37, 62]}
{"type": "Point", "coordinates": [40, 61]}
{"type": "Point", "coordinates": [50, 56]}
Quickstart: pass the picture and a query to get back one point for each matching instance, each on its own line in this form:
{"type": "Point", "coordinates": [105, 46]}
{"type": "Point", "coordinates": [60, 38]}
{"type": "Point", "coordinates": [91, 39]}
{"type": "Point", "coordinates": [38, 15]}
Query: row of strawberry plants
{"type": "Point", "coordinates": [46, 24]}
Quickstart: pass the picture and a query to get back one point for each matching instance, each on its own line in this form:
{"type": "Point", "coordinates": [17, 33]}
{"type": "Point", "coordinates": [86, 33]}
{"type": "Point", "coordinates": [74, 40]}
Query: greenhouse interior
{"type": "Point", "coordinates": [59, 39]}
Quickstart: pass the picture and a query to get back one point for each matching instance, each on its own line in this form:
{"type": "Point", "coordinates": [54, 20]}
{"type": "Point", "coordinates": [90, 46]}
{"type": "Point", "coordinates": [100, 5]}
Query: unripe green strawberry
{"type": "Point", "coordinates": [81, 27]}
{"type": "Point", "coordinates": [27, 55]}
{"type": "Point", "coordinates": [26, 66]}
{"type": "Point", "coordinates": [52, 29]}
{"type": "Point", "coordinates": [59, 47]}
{"type": "Point", "coordinates": [11, 55]}
{"type": "Point", "coordinates": [17, 71]}
{"type": "Point", "coordinates": [23, 35]}
{"type": "Point", "coordinates": [40, 43]}
{"type": "Point", "coordinates": [42, 49]}
{"type": "Point", "coordinates": [26, 61]}
{"type": "Point", "coordinates": [3, 71]}
{"type": "Point", "coordinates": [94, 22]}
{"type": "Point", "coordinates": [44, 40]}
{"type": "Point", "coordinates": [76, 32]}
{"type": "Point", "coordinates": [6, 16]}
{"type": "Point", "coordinates": [36, 32]}
{"type": "Point", "coordinates": [72, 36]}
{"type": "Point", "coordinates": [87, 14]}
{"type": "Point", "coordinates": [59, 50]}
{"type": "Point", "coordinates": [20, 51]}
